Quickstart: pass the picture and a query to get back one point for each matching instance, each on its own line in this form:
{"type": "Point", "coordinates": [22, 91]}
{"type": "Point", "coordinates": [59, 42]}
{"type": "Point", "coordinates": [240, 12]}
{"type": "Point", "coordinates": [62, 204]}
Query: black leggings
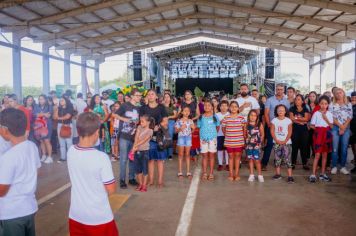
{"type": "Point", "coordinates": [300, 139]}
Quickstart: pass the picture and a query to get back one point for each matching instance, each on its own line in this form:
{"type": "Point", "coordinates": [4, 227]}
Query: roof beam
{"type": "Point", "coordinates": [75, 12]}
{"type": "Point", "coordinates": [112, 21]}
{"type": "Point", "coordinates": [276, 28]}
{"type": "Point", "coordinates": [337, 6]}
{"type": "Point", "coordinates": [300, 19]}
{"type": "Point", "coordinates": [120, 33]}
{"type": "Point", "coordinates": [304, 52]}
{"type": "Point", "coordinates": [130, 41]}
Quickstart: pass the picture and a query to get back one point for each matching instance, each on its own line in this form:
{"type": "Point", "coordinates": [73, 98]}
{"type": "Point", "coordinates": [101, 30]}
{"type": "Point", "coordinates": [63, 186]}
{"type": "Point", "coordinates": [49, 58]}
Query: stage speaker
{"type": "Point", "coordinates": [269, 62]}
{"type": "Point", "coordinates": [137, 66]}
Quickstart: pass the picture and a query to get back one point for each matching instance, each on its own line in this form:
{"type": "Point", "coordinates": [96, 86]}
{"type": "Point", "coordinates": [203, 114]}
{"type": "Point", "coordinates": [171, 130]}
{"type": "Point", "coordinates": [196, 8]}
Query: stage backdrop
{"type": "Point", "coordinates": [205, 84]}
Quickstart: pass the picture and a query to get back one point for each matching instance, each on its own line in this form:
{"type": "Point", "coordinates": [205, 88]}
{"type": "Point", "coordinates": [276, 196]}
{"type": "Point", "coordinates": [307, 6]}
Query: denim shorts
{"type": "Point", "coordinates": [185, 141]}
{"type": "Point", "coordinates": [141, 162]}
{"type": "Point", "coordinates": [156, 154]}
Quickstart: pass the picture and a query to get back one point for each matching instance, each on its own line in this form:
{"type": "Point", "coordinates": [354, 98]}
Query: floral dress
{"type": "Point", "coordinates": [253, 142]}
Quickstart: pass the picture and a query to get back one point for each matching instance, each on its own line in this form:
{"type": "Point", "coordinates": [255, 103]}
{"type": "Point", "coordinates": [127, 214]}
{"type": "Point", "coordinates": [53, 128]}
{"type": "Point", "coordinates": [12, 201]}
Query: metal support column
{"type": "Point", "coordinates": [45, 69]}
{"type": "Point", "coordinates": [84, 82]}
{"type": "Point", "coordinates": [322, 69]}
{"type": "Point", "coordinates": [67, 68]}
{"type": "Point", "coordinates": [97, 76]}
{"type": "Point", "coordinates": [16, 66]}
{"type": "Point", "coordinates": [338, 70]}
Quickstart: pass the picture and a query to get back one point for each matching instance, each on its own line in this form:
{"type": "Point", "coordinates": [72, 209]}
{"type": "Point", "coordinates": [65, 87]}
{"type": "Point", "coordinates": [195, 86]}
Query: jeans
{"type": "Point", "coordinates": [268, 148]}
{"type": "Point", "coordinates": [125, 148]}
{"type": "Point", "coordinates": [171, 124]}
{"type": "Point", "coordinates": [342, 142]}
{"type": "Point", "coordinates": [19, 226]}
{"type": "Point", "coordinates": [141, 162]}
{"type": "Point", "coordinates": [64, 143]}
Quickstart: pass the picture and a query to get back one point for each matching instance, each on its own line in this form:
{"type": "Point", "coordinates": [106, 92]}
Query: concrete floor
{"type": "Point", "coordinates": [222, 207]}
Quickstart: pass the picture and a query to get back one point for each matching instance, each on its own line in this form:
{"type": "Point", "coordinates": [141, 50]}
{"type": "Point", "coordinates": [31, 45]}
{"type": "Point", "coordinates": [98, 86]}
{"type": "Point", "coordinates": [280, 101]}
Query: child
{"type": "Point", "coordinates": [322, 123]}
{"type": "Point", "coordinates": [281, 131]}
{"type": "Point", "coordinates": [18, 176]}
{"type": "Point", "coordinates": [92, 181]}
{"type": "Point", "coordinates": [233, 127]}
{"type": "Point", "coordinates": [223, 107]}
{"type": "Point", "coordinates": [254, 136]}
{"type": "Point", "coordinates": [164, 141]}
{"type": "Point", "coordinates": [114, 131]}
{"type": "Point", "coordinates": [141, 147]}
{"type": "Point", "coordinates": [208, 124]}
{"type": "Point", "coordinates": [184, 127]}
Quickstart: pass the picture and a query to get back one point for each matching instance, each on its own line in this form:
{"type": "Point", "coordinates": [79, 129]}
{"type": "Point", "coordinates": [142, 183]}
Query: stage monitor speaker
{"type": "Point", "coordinates": [137, 66]}
{"type": "Point", "coordinates": [269, 62]}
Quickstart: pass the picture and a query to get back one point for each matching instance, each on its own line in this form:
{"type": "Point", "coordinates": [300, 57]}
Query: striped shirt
{"type": "Point", "coordinates": [234, 127]}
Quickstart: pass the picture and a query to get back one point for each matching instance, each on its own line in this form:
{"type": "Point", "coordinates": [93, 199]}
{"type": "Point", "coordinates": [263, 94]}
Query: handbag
{"type": "Point", "coordinates": [66, 131]}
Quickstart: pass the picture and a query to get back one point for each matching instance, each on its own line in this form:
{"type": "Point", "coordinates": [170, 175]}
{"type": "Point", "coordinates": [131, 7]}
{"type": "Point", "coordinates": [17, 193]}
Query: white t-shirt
{"type": "Point", "coordinates": [281, 129]}
{"type": "Point", "coordinates": [4, 145]}
{"type": "Point", "coordinates": [108, 103]}
{"type": "Point", "coordinates": [221, 117]}
{"type": "Point", "coordinates": [81, 105]}
{"type": "Point", "coordinates": [89, 170]}
{"type": "Point", "coordinates": [252, 100]}
{"type": "Point", "coordinates": [18, 168]}
{"type": "Point", "coordinates": [318, 120]}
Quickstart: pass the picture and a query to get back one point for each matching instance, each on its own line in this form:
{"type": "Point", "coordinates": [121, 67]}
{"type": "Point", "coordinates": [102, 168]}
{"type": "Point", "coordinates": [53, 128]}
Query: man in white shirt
{"type": "Point", "coordinates": [80, 104]}
{"type": "Point", "coordinates": [92, 181]}
{"type": "Point", "coordinates": [106, 100]}
{"type": "Point", "coordinates": [246, 102]}
{"type": "Point", "coordinates": [18, 177]}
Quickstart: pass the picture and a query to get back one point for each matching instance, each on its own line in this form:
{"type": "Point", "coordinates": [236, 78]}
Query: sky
{"type": "Point", "coordinates": [115, 66]}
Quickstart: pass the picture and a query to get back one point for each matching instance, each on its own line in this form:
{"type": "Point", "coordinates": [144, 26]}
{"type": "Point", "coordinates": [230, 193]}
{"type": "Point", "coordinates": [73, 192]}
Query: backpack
{"type": "Point", "coordinates": [163, 139]}
{"type": "Point", "coordinates": [40, 128]}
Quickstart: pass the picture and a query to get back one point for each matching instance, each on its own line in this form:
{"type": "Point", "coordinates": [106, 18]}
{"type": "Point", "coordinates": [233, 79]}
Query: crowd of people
{"type": "Point", "coordinates": [142, 133]}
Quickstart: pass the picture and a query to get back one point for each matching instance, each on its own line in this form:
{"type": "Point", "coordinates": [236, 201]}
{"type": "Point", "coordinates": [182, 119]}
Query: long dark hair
{"type": "Point", "coordinates": [170, 97]}
{"type": "Point", "coordinates": [25, 101]}
{"type": "Point", "coordinates": [180, 115]}
{"type": "Point", "coordinates": [278, 106]}
{"type": "Point", "coordinates": [316, 98]}
{"type": "Point", "coordinates": [258, 122]}
{"type": "Point", "coordinates": [46, 101]}
{"type": "Point", "coordinates": [92, 101]}
{"type": "Point", "coordinates": [212, 105]}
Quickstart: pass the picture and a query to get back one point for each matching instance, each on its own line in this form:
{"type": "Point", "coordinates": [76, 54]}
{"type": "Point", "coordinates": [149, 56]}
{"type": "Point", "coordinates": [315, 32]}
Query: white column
{"type": "Point", "coordinates": [338, 68]}
{"type": "Point", "coordinates": [322, 69]}
{"type": "Point", "coordinates": [84, 82]}
{"type": "Point", "coordinates": [16, 66]}
{"type": "Point", "coordinates": [97, 76]}
{"type": "Point", "coordinates": [67, 68]}
{"type": "Point", "coordinates": [45, 69]}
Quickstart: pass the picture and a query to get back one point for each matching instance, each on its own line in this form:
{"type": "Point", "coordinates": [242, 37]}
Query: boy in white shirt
{"type": "Point", "coordinates": [92, 181]}
{"type": "Point", "coordinates": [18, 176]}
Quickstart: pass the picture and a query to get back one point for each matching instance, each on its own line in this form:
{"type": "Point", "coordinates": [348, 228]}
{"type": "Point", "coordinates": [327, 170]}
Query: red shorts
{"type": "Point", "coordinates": [79, 229]}
{"type": "Point", "coordinates": [234, 149]}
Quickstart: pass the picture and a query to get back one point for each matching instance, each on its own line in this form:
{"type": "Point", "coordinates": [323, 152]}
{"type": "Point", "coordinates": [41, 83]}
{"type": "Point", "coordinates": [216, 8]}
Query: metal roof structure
{"type": "Point", "coordinates": [204, 48]}
{"type": "Point", "coordinates": [98, 29]}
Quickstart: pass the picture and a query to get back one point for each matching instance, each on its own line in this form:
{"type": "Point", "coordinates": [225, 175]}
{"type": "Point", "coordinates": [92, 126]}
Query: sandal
{"type": "Point", "coordinates": [230, 178]}
{"type": "Point", "coordinates": [143, 188]}
{"type": "Point", "coordinates": [237, 178]}
{"type": "Point", "coordinates": [189, 174]}
{"type": "Point", "coordinates": [138, 188]}
{"type": "Point", "coordinates": [180, 174]}
{"type": "Point", "coordinates": [211, 177]}
{"type": "Point", "coordinates": [204, 176]}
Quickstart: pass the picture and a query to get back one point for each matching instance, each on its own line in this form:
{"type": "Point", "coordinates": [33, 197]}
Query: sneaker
{"type": "Point", "coordinates": [260, 179]}
{"type": "Point", "coordinates": [60, 161]}
{"type": "Point", "coordinates": [251, 178]}
{"type": "Point", "coordinates": [227, 167]}
{"type": "Point", "coordinates": [312, 179]}
{"type": "Point", "coordinates": [344, 171]}
{"type": "Point", "coordinates": [334, 171]}
{"type": "Point", "coordinates": [133, 182]}
{"type": "Point", "coordinates": [290, 180]}
{"type": "Point", "coordinates": [170, 158]}
{"type": "Point", "coordinates": [324, 177]}
{"type": "Point", "coordinates": [220, 167]}
{"type": "Point", "coordinates": [143, 188]}
{"type": "Point", "coordinates": [113, 159]}
{"type": "Point", "coordinates": [48, 160]}
{"type": "Point", "coordinates": [123, 185]}
{"type": "Point", "coordinates": [44, 157]}
{"type": "Point", "coordinates": [277, 177]}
